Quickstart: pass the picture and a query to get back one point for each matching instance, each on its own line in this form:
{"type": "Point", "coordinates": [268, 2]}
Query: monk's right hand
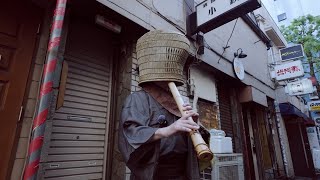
{"type": "Point", "coordinates": [184, 124]}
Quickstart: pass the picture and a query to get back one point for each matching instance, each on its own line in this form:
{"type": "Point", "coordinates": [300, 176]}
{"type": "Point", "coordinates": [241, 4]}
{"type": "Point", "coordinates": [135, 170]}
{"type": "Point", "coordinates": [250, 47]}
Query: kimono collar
{"type": "Point", "coordinates": [163, 97]}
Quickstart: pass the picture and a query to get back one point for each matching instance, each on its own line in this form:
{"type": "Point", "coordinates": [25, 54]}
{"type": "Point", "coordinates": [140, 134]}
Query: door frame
{"type": "Point", "coordinates": [38, 11]}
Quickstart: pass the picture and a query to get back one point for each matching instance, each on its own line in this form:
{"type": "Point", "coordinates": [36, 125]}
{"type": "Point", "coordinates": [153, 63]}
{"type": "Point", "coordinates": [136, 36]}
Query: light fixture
{"type": "Point", "coordinates": [240, 55]}
{"type": "Point", "coordinates": [108, 24]}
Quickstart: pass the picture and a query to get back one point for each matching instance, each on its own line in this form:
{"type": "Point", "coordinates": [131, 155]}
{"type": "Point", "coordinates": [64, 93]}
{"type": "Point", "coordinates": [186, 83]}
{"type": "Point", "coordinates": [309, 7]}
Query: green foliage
{"type": "Point", "coordinates": [305, 30]}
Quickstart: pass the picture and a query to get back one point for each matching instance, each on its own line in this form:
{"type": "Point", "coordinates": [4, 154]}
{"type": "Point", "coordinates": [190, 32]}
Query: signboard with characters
{"type": "Point", "coordinates": [289, 70]}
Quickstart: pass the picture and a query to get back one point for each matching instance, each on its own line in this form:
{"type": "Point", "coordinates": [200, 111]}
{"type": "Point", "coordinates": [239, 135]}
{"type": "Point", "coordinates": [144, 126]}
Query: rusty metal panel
{"type": "Point", "coordinates": [225, 109]}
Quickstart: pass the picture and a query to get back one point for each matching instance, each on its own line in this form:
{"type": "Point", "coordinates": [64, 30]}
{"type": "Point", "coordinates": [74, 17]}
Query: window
{"type": "Point", "coordinates": [282, 17]}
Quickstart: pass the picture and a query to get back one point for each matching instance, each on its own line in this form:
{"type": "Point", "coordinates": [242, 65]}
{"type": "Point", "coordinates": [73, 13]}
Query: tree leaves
{"type": "Point", "coordinates": [305, 30]}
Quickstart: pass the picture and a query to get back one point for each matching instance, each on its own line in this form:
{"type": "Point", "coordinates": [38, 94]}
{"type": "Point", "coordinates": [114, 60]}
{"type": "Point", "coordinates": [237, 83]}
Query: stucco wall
{"type": "Point", "coordinates": [148, 14]}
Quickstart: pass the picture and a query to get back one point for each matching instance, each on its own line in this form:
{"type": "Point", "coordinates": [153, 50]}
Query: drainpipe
{"type": "Point", "coordinates": [46, 93]}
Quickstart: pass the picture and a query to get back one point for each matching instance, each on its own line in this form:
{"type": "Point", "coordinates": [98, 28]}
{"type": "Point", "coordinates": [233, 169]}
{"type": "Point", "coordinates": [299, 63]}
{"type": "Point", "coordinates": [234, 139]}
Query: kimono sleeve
{"type": "Point", "coordinates": [134, 130]}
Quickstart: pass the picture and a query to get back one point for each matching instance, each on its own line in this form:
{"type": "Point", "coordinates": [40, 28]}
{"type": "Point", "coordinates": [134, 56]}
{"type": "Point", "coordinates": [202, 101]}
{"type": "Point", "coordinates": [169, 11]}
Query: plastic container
{"type": "Point", "coordinates": [219, 143]}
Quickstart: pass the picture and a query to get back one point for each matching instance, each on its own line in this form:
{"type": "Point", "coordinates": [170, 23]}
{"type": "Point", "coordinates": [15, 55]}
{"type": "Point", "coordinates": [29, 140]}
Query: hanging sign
{"type": "Point", "coordinates": [317, 120]}
{"type": "Point", "coordinates": [300, 87]}
{"type": "Point", "coordinates": [289, 70]}
{"type": "Point", "coordinates": [211, 14]}
{"type": "Point", "coordinates": [314, 105]}
{"type": "Point", "coordinates": [238, 68]}
{"type": "Point", "coordinates": [292, 52]}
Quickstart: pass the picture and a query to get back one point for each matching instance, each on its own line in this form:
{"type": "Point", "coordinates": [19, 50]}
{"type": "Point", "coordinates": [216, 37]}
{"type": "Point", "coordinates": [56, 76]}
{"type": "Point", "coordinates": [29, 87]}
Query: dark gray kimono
{"type": "Point", "coordinates": [139, 121]}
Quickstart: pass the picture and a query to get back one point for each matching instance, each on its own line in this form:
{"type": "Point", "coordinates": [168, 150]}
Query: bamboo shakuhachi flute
{"type": "Point", "coordinates": [201, 148]}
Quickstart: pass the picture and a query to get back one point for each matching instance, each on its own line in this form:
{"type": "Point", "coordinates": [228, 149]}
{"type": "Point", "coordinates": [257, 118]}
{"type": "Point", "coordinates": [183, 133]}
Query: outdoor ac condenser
{"type": "Point", "coordinates": [227, 167]}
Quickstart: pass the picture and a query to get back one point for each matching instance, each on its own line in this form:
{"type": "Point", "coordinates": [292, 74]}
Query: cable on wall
{"type": "Point", "coordinates": [226, 46]}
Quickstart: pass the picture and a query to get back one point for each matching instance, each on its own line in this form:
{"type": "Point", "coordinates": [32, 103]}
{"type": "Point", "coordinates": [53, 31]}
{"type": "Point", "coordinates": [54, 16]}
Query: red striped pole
{"type": "Point", "coordinates": [46, 94]}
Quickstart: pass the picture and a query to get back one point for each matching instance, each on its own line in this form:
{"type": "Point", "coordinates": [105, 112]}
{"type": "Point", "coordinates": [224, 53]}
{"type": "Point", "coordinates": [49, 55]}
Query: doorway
{"type": "Point", "coordinates": [299, 147]}
{"type": "Point", "coordinates": [78, 142]}
{"type": "Point", "coordinates": [18, 32]}
{"type": "Point", "coordinates": [255, 123]}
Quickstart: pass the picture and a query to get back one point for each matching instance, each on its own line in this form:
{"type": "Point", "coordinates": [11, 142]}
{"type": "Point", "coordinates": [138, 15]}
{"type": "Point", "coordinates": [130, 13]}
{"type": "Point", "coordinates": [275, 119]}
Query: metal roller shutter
{"type": "Point", "coordinates": [77, 145]}
{"type": "Point", "coordinates": [225, 110]}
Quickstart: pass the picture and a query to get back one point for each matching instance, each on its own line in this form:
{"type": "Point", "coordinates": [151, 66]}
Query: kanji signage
{"type": "Point", "coordinates": [314, 105]}
{"type": "Point", "coordinates": [289, 70]}
{"type": "Point", "coordinates": [211, 14]}
{"type": "Point", "coordinates": [292, 52]}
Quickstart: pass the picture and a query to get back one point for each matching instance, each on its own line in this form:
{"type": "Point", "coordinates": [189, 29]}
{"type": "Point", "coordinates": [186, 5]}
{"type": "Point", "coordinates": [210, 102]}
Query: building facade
{"type": "Point", "coordinates": [97, 69]}
{"type": "Point", "coordinates": [283, 12]}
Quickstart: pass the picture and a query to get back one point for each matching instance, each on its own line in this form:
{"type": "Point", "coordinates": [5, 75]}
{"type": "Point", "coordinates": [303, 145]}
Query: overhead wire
{"type": "Point", "coordinates": [226, 46]}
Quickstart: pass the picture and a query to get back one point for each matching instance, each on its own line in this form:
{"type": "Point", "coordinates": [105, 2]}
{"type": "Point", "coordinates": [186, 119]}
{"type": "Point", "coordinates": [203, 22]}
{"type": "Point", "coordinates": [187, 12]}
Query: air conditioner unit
{"type": "Point", "coordinates": [227, 167]}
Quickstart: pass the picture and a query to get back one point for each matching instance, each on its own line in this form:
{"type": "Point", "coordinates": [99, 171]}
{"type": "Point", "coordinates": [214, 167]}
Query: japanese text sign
{"type": "Point", "coordinates": [289, 70]}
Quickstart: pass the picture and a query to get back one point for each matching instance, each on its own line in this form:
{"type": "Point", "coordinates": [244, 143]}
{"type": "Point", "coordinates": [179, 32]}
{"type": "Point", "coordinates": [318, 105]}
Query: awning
{"type": "Point", "coordinates": [288, 109]}
{"type": "Point", "coordinates": [309, 122]}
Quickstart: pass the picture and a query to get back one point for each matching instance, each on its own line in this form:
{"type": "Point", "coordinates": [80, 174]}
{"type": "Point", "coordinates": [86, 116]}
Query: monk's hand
{"type": "Point", "coordinates": [187, 108]}
{"type": "Point", "coordinates": [184, 124]}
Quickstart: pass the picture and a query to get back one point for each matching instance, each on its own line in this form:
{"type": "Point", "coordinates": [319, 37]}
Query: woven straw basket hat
{"type": "Point", "coordinates": [161, 56]}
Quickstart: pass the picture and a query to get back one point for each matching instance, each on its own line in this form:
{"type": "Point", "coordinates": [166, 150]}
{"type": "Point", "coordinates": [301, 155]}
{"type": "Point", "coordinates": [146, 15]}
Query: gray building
{"type": "Point", "coordinates": [99, 70]}
{"type": "Point", "coordinates": [284, 11]}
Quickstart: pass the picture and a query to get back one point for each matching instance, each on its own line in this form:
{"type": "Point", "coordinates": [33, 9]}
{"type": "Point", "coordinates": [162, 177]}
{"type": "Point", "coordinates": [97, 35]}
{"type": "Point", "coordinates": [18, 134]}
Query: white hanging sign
{"type": "Point", "coordinates": [289, 70]}
{"type": "Point", "coordinates": [238, 68]}
{"type": "Point", "coordinates": [300, 87]}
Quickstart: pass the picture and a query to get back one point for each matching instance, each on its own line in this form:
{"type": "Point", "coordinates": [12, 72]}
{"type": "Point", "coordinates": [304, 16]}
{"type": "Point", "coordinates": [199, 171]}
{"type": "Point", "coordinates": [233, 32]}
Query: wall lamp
{"type": "Point", "coordinates": [240, 55]}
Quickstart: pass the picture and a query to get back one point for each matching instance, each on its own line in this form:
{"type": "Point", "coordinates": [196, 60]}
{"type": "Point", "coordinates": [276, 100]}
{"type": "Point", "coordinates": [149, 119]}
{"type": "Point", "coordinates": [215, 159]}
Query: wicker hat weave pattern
{"type": "Point", "coordinates": [161, 56]}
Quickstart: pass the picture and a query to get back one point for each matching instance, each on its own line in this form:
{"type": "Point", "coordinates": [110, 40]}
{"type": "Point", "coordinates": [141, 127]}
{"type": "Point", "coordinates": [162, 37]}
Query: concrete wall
{"type": "Point", "coordinates": [292, 8]}
{"type": "Point", "coordinates": [146, 14]}
{"type": "Point", "coordinates": [124, 85]}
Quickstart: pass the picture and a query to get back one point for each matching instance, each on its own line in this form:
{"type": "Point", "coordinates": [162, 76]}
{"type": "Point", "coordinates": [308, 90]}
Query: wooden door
{"type": "Point", "coordinates": [299, 147]}
{"type": "Point", "coordinates": [18, 28]}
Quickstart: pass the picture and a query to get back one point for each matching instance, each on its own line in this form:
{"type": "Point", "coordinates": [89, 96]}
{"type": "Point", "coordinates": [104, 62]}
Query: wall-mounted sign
{"type": "Point", "coordinates": [292, 52]}
{"type": "Point", "coordinates": [317, 120]}
{"type": "Point", "coordinates": [211, 14]}
{"type": "Point", "coordinates": [238, 68]}
{"type": "Point", "coordinates": [314, 105]}
{"type": "Point", "coordinates": [314, 95]}
{"type": "Point", "coordinates": [289, 70]}
{"type": "Point", "coordinates": [300, 87]}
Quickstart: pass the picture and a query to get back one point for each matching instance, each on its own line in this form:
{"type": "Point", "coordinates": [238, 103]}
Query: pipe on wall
{"type": "Point", "coordinates": [46, 93]}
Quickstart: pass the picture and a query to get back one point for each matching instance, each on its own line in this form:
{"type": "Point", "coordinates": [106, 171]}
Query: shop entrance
{"type": "Point", "coordinates": [260, 162]}
{"type": "Point", "coordinates": [77, 142]}
{"type": "Point", "coordinates": [299, 147]}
